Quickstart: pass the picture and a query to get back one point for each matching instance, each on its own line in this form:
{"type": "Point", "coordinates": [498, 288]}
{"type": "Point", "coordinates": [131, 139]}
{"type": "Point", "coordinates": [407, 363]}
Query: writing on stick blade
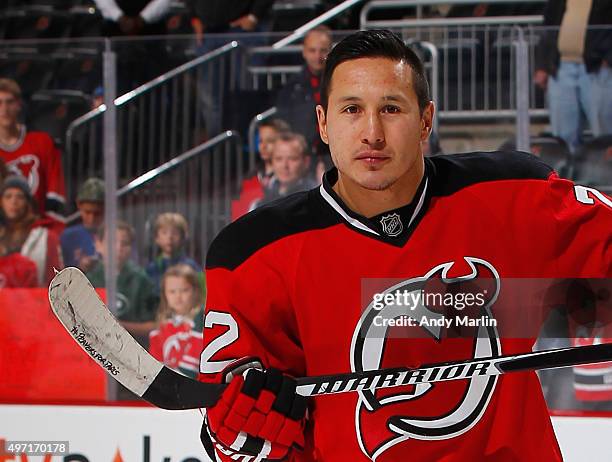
{"type": "Point", "coordinates": [87, 319]}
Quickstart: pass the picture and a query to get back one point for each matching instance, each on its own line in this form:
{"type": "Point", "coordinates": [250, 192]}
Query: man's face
{"type": "Point", "coordinates": [10, 106]}
{"type": "Point", "coordinates": [288, 163]}
{"type": "Point", "coordinates": [373, 125]}
{"type": "Point", "coordinates": [316, 48]}
{"type": "Point", "coordinates": [267, 138]}
{"type": "Point", "coordinates": [123, 247]}
{"type": "Point", "coordinates": [92, 214]}
{"type": "Point", "coordinates": [168, 239]}
{"type": "Point", "coordinates": [14, 204]}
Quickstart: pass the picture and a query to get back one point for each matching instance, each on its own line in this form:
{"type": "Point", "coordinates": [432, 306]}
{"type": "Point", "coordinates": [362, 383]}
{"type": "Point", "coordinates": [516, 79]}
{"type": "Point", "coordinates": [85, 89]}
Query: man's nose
{"type": "Point", "coordinates": [373, 131]}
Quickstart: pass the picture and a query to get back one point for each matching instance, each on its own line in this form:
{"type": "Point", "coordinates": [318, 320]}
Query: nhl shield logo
{"type": "Point", "coordinates": [392, 224]}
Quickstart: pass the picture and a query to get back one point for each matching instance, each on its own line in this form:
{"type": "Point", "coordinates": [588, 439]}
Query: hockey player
{"type": "Point", "coordinates": [290, 283]}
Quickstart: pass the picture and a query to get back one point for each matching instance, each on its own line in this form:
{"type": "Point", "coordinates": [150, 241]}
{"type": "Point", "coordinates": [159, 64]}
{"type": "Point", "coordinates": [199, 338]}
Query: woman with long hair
{"type": "Point", "coordinates": [23, 231]}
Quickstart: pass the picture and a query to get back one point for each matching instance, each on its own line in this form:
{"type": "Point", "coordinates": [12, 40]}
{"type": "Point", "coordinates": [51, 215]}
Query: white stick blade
{"type": "Point", "coordinates": [77, 305]}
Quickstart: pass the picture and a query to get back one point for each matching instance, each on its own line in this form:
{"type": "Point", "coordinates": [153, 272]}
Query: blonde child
{"type": "Point", "coordinates": [170, 234]}
{"type": "Point", "coordinates": [177, 341]}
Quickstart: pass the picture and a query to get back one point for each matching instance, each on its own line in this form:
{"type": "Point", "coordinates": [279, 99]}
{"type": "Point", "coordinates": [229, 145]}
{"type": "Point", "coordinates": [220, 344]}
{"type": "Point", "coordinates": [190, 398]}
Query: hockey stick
{"type": "Point", "coordinates": [77, 305]}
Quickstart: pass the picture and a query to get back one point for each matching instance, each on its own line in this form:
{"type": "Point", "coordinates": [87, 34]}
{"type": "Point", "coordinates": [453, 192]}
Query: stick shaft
{"type": "Point", "coordinates": [387, 378]}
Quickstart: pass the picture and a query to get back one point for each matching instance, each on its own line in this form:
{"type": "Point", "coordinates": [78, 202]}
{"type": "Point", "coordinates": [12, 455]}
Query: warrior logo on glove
{"type": "Point", "coordinates": [432, 410]}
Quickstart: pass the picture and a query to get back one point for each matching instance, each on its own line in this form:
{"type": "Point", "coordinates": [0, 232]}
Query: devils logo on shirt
{"type": "Point", "coordinates": [389, 417]}
{"type": "Point", "coordinates": [28, 166]}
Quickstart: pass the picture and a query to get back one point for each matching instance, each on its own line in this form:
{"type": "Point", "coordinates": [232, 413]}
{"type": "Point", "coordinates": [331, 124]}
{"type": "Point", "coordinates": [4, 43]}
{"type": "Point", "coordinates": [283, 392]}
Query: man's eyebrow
{"type": "Point", "coordinates": [345, 99]}
{"type": "Point", "coordinates": [394, 98]}
{"type": "Point", "coordinates": [350, 98]}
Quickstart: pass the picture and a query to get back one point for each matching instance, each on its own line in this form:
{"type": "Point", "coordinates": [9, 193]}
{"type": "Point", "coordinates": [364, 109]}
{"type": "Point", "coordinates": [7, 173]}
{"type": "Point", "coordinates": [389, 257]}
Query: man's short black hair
{"type": "Point", "coordinates": [375, 44]}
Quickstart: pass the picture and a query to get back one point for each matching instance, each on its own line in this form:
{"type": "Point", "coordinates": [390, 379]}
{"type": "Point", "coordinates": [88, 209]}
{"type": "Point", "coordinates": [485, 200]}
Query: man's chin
{"type": "Point", "coordinates": [375, 182]}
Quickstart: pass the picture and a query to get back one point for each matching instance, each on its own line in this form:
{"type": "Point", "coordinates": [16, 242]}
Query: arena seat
{"type": "Point", "coordinates": [35, 21]}
{"type": "Point", "coordinates": [77, 69]}
{"type": "Point", "coordinates": [53, 110]}
{"type": "Point", "coordinates": [27, 66]}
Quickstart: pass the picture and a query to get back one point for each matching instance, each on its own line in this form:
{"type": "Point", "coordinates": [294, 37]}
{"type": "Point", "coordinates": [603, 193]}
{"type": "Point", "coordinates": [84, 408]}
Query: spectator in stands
{"type": "Point", "coordinates": [290, 162]}
{"type": "Point", "coordinates": [573, 64]}
{"type": "Point", "coordinates": [97, 97]}
{"type": "Point", "coordinates": [142, 60]}
{"type": "Point", "coordinates": [32, 155]}
{"type": "Point", "coordinates": [268, 132]}
{"type": "Point", "coordinates": [77, 241]}
{"type": "Point", "coordinates": [238, 17]}
{"type": "Point", "coordinates": [223, 17]}
{"type": "Point", "coordinates": [170, 231]}
{"type": "Point", "coordinates": [134, 17]}
{"type": "Point", "coordinates": [177, 341]}
{"type": "Point", "coordinates": [297, 100]}
{"type": "Point", "coordinates": [136, 300]}
{"type": "Point", "coordinates": [25, 232]}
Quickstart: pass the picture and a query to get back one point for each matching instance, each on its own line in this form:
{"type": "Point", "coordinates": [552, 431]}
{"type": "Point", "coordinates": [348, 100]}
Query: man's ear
{"type": "Point", "coordinates": [322, 121]}
{"type": "Point", "coordinates": [427, 121]}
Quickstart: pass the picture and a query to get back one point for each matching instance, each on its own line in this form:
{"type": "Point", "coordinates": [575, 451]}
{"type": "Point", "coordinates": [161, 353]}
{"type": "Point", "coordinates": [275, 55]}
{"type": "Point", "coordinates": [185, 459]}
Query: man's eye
{"type": "Point", "coordinates": [351, 109]}
{"type": "Point", "coordinates": [391, 109]}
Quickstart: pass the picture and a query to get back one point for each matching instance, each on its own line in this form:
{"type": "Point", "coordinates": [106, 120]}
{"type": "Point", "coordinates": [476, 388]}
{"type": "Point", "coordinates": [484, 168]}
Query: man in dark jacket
{"type": "Point", "coordinates": [296, 101]}
{"type": "Point", "coordinates": [234, 18]}
{"type": "Point", "coordinates": [573, 63]}
{"type": "Point", "coordinates": [221, 16]}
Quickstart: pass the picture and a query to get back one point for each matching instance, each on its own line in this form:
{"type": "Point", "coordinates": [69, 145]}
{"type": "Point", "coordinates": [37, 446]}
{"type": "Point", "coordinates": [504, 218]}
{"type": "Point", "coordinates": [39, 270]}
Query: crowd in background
{"type": "Point", "coordinates": [164, 298]}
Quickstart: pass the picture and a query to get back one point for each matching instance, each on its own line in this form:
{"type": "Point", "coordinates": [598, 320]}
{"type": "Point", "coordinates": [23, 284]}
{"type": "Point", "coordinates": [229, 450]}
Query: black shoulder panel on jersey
{"type": "Point", "coordinates": [458, 171]}
{"type": "Point", "coordinates": [296, 213]}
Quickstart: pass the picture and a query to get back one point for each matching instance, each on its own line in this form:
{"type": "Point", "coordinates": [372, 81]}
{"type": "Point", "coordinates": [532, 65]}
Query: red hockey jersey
{"type": "Point", "coordinates": [36, 158]}
{"type": "Point", "coordinates": [292, 283]}
{"type": "Point", "coordinates": [177, 343]}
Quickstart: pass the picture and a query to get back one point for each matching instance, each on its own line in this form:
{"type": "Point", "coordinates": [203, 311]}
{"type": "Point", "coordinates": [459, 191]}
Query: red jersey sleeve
{"type": "Point", "coordinates": [583, 218]}
{"type": "Point", "coordinates": [248, 313]}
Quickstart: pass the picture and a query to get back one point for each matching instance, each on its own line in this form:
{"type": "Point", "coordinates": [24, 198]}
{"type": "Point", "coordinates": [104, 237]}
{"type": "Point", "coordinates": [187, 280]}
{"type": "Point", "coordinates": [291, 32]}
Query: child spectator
{"type": "Point", "coordinates": [268, 132]}
{"type": "Point", "coordinates": [136, 300]}
{"type": "Point", "coordinates": [32, 155]}
{"type": "Point", "coordinates": [25, 232]}
{"type": "Point", "coordinates": [177, 341]}
{"type": "Point", "coordinates": [170, 233]}
{"type": "Point", "coordinates": [78, 241]}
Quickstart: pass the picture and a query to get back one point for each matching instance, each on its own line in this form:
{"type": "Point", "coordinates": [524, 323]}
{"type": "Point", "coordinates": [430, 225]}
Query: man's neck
{"type": "Point", "coordinates": [370, 203]}
{"type": "Point", "coordinates": [10, 135]}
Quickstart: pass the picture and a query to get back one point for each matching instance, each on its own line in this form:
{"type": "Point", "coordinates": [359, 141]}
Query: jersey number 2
{"type": "Point", "coordinates": [227, 338]}
{"type": "Point", "coordinates": [582, 195]}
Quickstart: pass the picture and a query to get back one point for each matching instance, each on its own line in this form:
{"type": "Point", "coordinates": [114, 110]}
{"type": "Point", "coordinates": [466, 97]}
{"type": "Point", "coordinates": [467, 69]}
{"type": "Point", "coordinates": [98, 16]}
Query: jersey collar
{"type": "Point", "coordinates": [392, 226]}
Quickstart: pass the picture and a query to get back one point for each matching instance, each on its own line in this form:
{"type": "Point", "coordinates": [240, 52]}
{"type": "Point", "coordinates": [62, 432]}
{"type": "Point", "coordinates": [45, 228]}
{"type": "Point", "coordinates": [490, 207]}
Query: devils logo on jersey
{"type": "Point", "coordinates": [430, 411]}
{"type": "Point", "coordinates": [29, 167]}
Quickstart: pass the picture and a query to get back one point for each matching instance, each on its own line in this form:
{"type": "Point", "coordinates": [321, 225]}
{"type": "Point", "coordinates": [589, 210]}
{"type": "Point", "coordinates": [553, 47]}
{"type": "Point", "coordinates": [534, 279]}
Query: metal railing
{"type": "Point", "coordinates": [200, 184]}
{"type": "Point", "coordinates": [303, 30]}
{"type": "Point", "coordinates": [419, 20]}
{"type": "Point", "coordinates": [477, 57]}
{"type": "Point", "coordinates": [156, 121]}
